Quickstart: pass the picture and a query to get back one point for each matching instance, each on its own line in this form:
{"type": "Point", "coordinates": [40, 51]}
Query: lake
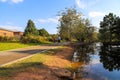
{"type": "Point", "coordinates": [95, 62]}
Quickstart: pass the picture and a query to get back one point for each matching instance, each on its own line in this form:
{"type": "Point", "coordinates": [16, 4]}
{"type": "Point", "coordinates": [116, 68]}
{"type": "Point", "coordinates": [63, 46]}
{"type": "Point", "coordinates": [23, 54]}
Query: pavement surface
{"type": "Point", "coordinates": [12, 55]}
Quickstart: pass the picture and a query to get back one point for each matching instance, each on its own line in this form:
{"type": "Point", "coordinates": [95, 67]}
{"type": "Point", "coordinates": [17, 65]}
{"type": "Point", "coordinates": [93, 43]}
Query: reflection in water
{"type": "Point", "coordinates": [80, 58]}
{"type": "Point", "coordinates": [110, 57]}
{"type": "Point", "coordinates": [90, 63]}
{"type": "Point", "coordinates": [83, 53]}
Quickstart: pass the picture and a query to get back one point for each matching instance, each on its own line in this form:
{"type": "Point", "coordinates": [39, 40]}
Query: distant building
{"type": "Point", "coordinates": [9, 33]}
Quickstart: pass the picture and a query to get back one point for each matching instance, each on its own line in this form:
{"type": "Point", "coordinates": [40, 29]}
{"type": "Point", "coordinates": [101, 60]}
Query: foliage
{"type": "Point", "coordinates": [67, 21]}
{"type": "Point", "coordinates": [32, 35]}
{"type": "Point", "coordinates": [43, 32]}
{"type": "Point", "coordinates": [110, 28]}
{"type": "Point", "coordinates": [30, 29]}
{"type": "Point", "coordinates": [8, 39]}
{"type": "Point", "coordinates": [34, 39]}
{"type": "Point", "coordinates": [73, 26]}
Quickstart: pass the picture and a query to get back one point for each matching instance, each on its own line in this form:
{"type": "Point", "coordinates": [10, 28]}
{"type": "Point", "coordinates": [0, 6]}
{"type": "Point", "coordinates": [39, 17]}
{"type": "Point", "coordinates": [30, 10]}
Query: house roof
{"type": "Point", "coordinates": [9, 30]}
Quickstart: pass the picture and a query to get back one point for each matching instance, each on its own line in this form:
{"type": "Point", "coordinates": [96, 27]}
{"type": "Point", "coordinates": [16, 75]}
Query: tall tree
{"type": "Point", "coordinates": [30, 29]}
{"type": "Point", "coordinates": [110, 28]}
{"type": "Point", "coordinates": [115, 30]}
{"type": "Point", "coordinates": [106, 27]}
{"type": "Point", "coordinates": [67, 22]}
{"type": "Point", "coordinates": [73, 26]}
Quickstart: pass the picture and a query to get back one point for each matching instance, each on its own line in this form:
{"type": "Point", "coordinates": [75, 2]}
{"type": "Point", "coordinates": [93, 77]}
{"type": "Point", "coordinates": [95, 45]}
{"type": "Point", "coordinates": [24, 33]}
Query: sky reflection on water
{"type": "Point", "coordinates": [98, 64]}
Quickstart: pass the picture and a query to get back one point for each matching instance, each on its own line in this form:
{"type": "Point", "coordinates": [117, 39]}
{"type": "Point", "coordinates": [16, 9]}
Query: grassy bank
{"type": "Point", "coordinates": [37, 66]}
{"type": "Point", "coordinates": [15, 45]}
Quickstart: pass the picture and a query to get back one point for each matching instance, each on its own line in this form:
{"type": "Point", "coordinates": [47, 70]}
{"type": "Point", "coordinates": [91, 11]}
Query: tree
{"type": "Point", "coordinates": [43, 32]}
{"type": "Point", "coordinates": [30, 29]}
{"type": "Point", "coordinates": [84, 31]}
{"type": "Point", "coordinates": [67, 22]}
{"type": "Point", "coordinates": [109, 28]}
{"type": "Point", "coordinates": [79, 31]}
{"type": "Point", "coordinates": [73, 26]}
{"type": "Point", "coordinates": [116, 30]}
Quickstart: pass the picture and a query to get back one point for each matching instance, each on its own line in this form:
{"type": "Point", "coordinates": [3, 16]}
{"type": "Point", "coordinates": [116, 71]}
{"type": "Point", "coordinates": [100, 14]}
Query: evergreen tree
{"type": "Point", "coordinates": [30, 29]}
{"type": "Point", "coordinates": [109, 28]}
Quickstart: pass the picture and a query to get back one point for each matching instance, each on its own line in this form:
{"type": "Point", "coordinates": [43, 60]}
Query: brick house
{"type": "Point", "coordinates": [9, 33]}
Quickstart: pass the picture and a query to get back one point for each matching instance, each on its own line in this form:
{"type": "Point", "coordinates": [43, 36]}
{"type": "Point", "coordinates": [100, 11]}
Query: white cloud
{"type": "Point", "coordinates": [3, 0]}
{"type": "Point", "coordinates": [96, 14]}
{"type": "Point", "coordinates": [12, 28]}
{"type": "Point", "coordinates": [12, 1]}
{"type": "Point", "coordinates": [80, 4]}
{"type": "Point", "coordinates": [49, 20]}
{"type": "Point", "coordinates": [16, 1]}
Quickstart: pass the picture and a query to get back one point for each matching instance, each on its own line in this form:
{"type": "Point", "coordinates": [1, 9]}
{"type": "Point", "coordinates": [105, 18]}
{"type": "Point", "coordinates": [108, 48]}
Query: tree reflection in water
{"type": "Point", "coordinates": [110, 57]}
{"type": "Point", "coordinates": [82, 58]}
{"type": "Point", "coordinates": [84, 52]}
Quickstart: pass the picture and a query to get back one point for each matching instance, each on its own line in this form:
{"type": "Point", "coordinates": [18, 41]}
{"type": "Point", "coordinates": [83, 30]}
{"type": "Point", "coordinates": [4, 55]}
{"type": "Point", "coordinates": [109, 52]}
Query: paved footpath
{"type": "Point", "coordinates": [12, 55]}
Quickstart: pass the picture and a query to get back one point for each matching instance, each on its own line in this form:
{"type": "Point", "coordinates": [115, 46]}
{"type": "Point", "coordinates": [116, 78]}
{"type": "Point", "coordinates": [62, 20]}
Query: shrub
{"type": "Point", "coordinates": [34, 39]}
{"type": "Point", "coordinates": [8, 39]}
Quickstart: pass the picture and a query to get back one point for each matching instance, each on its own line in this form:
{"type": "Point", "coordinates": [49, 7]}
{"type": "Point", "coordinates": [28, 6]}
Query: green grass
{"type": "Point", "coordinates": [14, 45]}
{"type": "Point", "coordinates": [8, 45]}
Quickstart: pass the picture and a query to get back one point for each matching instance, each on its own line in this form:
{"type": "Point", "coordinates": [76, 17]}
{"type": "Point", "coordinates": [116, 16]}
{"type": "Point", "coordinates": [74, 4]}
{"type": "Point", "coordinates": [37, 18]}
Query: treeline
{"type": "Point", "coordinates": [110, 29]}
{"type": "Point", "coordinates": [33, 35]}
{"type": "Point", "coordinates": [74, 27]}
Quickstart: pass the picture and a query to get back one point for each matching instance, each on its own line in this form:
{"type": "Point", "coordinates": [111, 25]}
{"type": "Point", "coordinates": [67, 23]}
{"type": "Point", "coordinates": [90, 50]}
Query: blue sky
{"type": "Point", "coordinates": [14, 14]}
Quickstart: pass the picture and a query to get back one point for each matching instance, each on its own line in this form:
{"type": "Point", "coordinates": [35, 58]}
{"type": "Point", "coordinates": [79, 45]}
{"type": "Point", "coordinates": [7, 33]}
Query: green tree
{"type": "Point", "coordinates": [67, 23]}
{"type": "Point", "coordinates": [106, 28]}
{"type": "Point", "coordinates": [79, 30]}
{"type": "Point", "coordinates": [43, 32]}
{"type": "Point", "coordinates": [30, 29]}
{"type": "Point", "coordinates": [84, 31]}
{"type": "Point", "coordinates": [73, 26]}
{"type": "Point", "coordinates": [115, 30]}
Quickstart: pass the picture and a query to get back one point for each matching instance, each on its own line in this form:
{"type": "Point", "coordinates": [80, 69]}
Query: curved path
{"type": "Point", "coordinates": [17, 54]}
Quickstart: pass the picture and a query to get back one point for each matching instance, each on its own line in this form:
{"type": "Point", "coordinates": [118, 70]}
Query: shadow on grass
{"type": "Point", "coordinates": [9, 71]}
{"type": "Point", "coordinates": [34, 71]}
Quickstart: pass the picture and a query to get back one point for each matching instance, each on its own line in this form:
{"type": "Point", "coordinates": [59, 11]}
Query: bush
{"type": "Point", "coordinates": [8, 39]}
{"type": "Point", "coordinates": [34, 39]}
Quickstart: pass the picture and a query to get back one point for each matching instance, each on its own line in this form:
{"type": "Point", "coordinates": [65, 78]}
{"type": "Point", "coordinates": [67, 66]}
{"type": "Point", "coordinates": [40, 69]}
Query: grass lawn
{"type": "Point", "coordinates": [8, 46]}
{"type": "Point", "coordinates": [35, 65]}
{"type": "Point", "coordinates": [14, 45]}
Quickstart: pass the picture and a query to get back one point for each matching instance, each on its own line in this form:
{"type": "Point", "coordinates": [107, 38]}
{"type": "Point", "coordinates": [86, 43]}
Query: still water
{"type": "Point", "coordinates": [93, 62]}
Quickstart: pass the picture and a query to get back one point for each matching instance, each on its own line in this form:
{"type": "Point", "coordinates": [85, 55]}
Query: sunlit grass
{"type": "Point", "coordinates": [14, 45]}
{"type": "Point", "coordinates": [8, 46]}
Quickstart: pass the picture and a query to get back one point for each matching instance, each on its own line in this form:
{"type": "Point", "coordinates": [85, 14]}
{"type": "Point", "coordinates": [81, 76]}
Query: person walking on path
{"type": "Point", "coordinates": [59, 39]}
